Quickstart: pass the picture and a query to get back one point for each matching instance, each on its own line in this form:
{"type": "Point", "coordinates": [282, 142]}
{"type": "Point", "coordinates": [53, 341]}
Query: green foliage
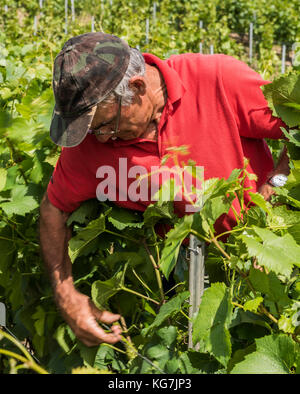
{"type": "Point", "coordinates": [248, 321]}
{"type": "Point", "coordinates": [283, 96]}
{"type": "Point", "coordinates": [212, 323]}
{"type": "Point", "coordinates": [274, 354]}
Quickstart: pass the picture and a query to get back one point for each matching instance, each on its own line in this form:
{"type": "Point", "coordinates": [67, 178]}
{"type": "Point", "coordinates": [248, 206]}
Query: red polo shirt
{"type": "Point", "coordinates": [215, 107]}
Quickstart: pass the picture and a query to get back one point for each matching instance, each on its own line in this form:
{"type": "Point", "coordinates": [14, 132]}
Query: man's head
{"type": "Point", "coordinates": [91, 73]}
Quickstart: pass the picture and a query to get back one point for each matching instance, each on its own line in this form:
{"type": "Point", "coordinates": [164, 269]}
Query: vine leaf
{"type": "Point", "coordinates": [20, 203]}
{"type": "Point", "coordinates": [3, 175]}
{"type": "Point", "coordinates": [80, 243]}
{"type": "Point", "coordinates": [269, 285]}
{"type": "Point", "coordinates": [276, 253]}
{"type": "Point", "coordinates": [211, 325]}
{"type": "Point", "coordinates": [121, 218]}
{"type": "Point", "coordinates": [175, 237]}
{"type": "Point", "coordinates": [282, 95]}
{"type": "Point", "coordinates": [158, 211]}
{"type": "Point", "coordinates": [168, 309]}
{"type": "Point", "coordinates": [252, 305]}
{"type": "Point", "coordinates": [102, 291]}
{"type": "Point", "coordinates": [275, 354]}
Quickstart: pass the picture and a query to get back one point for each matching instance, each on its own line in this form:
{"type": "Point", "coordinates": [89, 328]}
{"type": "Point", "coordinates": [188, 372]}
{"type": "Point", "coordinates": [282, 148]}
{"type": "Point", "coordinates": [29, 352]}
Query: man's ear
{"type": "Point", "coordinates": [138, 85]}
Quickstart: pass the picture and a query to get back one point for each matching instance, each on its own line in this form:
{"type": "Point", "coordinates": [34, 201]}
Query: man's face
{"type": "Point", "coordinates": [134, 119]}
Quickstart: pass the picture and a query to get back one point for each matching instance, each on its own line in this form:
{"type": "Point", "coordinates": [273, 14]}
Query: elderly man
{"type": "Point", "coordinates": [116, 108]}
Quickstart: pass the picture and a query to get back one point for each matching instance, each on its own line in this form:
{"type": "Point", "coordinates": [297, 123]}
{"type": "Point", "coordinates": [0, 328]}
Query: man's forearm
{"type": "Point", "coordinates": [282, 167]}
{"type": "Point", "coordinates": [79, 312]}
{"type": "Point", "coordinates": [54, 238]}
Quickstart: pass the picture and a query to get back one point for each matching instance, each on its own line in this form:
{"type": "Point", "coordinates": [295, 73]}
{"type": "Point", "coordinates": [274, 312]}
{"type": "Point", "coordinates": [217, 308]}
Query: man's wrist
{"type": "Point", "coordinates": [277, 180]}
{"type": "Point", "coordinates": [63, 289]}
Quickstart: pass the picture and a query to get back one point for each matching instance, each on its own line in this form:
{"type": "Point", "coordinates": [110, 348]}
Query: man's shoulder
{"type": "Point", "coordinates": [204, 59]}
{"type": "Point", "coordinates": [217, 63]}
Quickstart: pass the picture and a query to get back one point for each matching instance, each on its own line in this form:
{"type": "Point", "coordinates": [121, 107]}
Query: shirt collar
{"type": "Point", "coordinates": [175, 87]}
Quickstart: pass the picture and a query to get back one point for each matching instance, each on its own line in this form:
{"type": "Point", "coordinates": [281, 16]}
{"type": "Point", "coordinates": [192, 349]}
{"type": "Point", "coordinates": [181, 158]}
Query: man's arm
{"type": "Point", "coordinates": [77, 309]}
{"type": "Point", "coordinates": [282, 167]}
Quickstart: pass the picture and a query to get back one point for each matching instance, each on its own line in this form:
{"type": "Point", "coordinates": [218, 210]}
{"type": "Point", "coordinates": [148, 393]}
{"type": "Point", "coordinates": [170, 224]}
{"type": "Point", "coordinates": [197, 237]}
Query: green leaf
{"type": "Point", "coordinates": [87, 354]}
{"type": "Point", "coordinates": [167, 192]}
{"type": "Point", "coordinates": [276, 253]}
{"type": "Point", "coordinates": [122, 218]}
{"type": "Point", "coordinates": [16, 296]}
{"type": "Point", "coordinates": [104, 356]}
{"type": "Point", "coordinates": [164, 340]}
{"type": "Point", "coordinates": [259, 200]}
{"type": "Point", "coordinates": [282, 216]}
{"type": "Point", "coordinates": [287, 196]}
{"type": "Point", "coordinates": [285, 324]}
{"type": "Point", "coordinates": [39, 316]}
{"type": "Point", "coordinates": [240, 316]}
{"type": "Point", "coordinates": [269, 285]}
{"type": "Point", "coordinates": [282, 91]}
{"type": "Point", "coordinates": [295, 232]}
{"type": "Point", "coordinates": [252, 305]}
{"type": "Point", "coordinates": [159, 211]}
{"type": "Point", "coordinates": [82, 240]}
{"type": "Point", "coordinates": [169, 308]}
{"type": "Point", "coordinates": [275, 354]}
{"type": "Point", "coordinates": [292, 135]}
{"type": "Point", "coordinates": [193, 362]}
{"type": "Point", "coordinates": [3, 175]}
{"type": "Point", "coordinates": [102, 291]}
{"type": "Point", "coordinates": [41, 169]}
{"type": "Point", "coordinates": [175, 237]}
{"type": "Point", "coordinates": [11, 177]}
{"type": "Point", "coordinates": [20, 203]}
{"type": "Point", "coordinates": [215, 207]}
{"type": "Point", "coordinates": [82, 215]}
{"type": "Point", "coordinates": [212, 322]}
{"type": "Point", "coordinates": [64, 337]}
{"type": "Point", "coordinates": [5, 119]}
{"type": "Point", "coordinates": [89, 371]}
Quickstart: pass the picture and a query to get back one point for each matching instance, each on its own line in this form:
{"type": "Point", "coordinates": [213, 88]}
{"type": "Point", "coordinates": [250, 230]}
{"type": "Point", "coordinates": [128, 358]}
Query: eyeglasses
{"type": "Point", "coordinates": [113, 132]}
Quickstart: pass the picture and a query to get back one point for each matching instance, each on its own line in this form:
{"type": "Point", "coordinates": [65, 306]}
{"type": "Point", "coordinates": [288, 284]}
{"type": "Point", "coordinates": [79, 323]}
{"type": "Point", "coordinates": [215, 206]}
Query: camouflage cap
{"type": "Point", "coordinates": [86, 70]}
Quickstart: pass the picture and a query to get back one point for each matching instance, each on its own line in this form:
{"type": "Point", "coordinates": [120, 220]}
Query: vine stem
{"type": "Point", "coordinates": [216, 243]}
{"type": "Point", "coordinates": [268, 314]}
{"type": "Point", "coordinates": [27, 360]}
{"type": "Point", "coordinates": [263, 309]}
{"type": "Point", "coordinates": [185, 315]}
{"type": "Point", "coordinates": [125, 329]}
{"type": "Point", "coordinates": [121, 236]}
{"type": "Point", "coordinates": [139, 295]}
{"type": "Point", "coordinates": [237, 304]}
{"type": "Point", "coordinates": [141, 281]}
{"type": "Point", "coordinates": [13, 226]}
{"type": "Point", "coordinates": [130, 345]}
{"type": "Point", "coordinates": [157, 273]}
{"type": "Point", "coordinates": [113, 347]}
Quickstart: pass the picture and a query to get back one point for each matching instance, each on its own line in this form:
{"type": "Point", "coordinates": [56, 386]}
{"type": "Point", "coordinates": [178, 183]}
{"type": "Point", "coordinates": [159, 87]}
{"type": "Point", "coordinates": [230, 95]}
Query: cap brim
{"type": "Point", "coordinates": [69, 132]}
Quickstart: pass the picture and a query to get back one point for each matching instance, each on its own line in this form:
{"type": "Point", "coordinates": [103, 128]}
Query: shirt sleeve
{"type": "Point", "coordinates": [242, 88]}
{"type": "Point", "coordinates": [71, 182]}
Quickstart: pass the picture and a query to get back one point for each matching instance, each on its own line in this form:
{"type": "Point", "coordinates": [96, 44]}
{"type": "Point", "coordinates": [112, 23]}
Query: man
{"type": "Point", "coordinates": [114, 106]}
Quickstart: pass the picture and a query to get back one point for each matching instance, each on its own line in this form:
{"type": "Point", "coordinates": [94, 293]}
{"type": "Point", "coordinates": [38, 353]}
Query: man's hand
{"type": "Point", "coordinates": [81, 314]}
{"type": "Point", "coordinates": [266, 190]}
{"type": "Point", "coordinates": [282, 167]}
